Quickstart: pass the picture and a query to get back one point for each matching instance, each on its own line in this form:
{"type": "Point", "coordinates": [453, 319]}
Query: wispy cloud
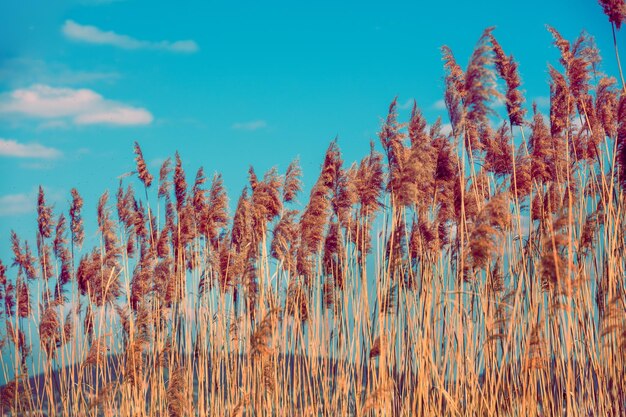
{"type": "Point", "coordinates": [37, 166]}
{"type": "Point", "coordinates": [82, 106]}
{"type": "Point", "coordinates": [156, 162]}
{"type": "Point", "coordinates": [439, 105]}
{"type": "Point", "coordinates": [12, 148]}
{"type": "Point", "coordinates": [542, 102]}
{"type": "Point", "coordinates": [408, 104]}
{"type": "Point", "coordinates": [252, 125]}
{"type": "Point", "coordinates": [92, 34]}
{"type": "Point", "coordinates": [23, 71]}
{"type": "Point", "coordinates": [14, 204]}
{"type": "Point", "coordinates": [23, 203]}
{"type": "Point", "coordinates": [446, 128]}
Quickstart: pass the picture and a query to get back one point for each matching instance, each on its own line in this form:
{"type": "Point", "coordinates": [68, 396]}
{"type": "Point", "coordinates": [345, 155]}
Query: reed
{"type": "Point", "coordinates": [470, 273]}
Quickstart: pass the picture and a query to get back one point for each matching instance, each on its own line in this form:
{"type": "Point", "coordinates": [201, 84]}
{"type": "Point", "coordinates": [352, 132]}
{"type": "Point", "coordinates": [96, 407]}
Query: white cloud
{"type": "Point", "coordinates": [156, 162]}
{"type": "Point", "coordinates": [252, 125]}
{"type": "Point", "coordinates": [115, 115]}
{"type": "Point", "coordinates": [14, 204]}
{"type": "Point", "coordinates": [542, 101]}
{"type": "Point", "coordinates": [20, 72]}
{"type": "Point", "coordinates": [12, 148]}
{"type": "Point", "coordinates": [499, 102]}
{"type": "Point", "coordinates": [439, 105]}
{"type": "Point", "coordinates": [82, 106]}
{"type": "Point", "coordinates": [446, 128]}
{"type": "Point", "coordinates": [92, 34]}
{"type": "Point", "coordinates": [39, 166]}
{"type": "Point", "coordinates": [406, 105]}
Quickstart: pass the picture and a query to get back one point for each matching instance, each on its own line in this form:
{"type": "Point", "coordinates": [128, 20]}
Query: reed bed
{"type": "Point", "coordinates": [476, 272]}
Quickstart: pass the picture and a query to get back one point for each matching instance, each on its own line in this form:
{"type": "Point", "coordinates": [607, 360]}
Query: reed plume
{"type": "Point", "coordinates": [561, 104]}
{"type": "Point", "coordinates": [284, 241]}
{"type": "Point", "coordinates": [479, 91]}
{"type": "Point", "coordinates": [554, 268]}
{"type": "Point", "coordinates": [499, 155]}
{"type": "Point", "coordinates": [293, 183]}
{"type": "Point", "coordinates": [215, 214]}
{"type": "Point", "coordinates": [579, 60]}
{"type": "Point", "coordinates": [615, 10]}
{"type": "Point", "coordinates": [402, 173]}
{"type": "Point", "coordinates": [541, 151]}
{"type": "Point", "coordinates": [225, 263]}
{"type": "Point", "coordinates": [423, 159]}
{"type": "Point", "coordinates": [180, 184]}
{"type": "Point", "coordinates": [24, 309]}
{"type": "Point", "coordinates": [606, 105]}
{"type": "Point", "coordinates": [368, 183]}
{"type": "Point", "coordinates": [242, 222]}
{"type": "Point", "coordinates": [266, 202]}
{"type": "Point", "coordinates": [198, 198]}
{"type": "Point", "coordinates": [377, 346]}
{"type": "Point", "coordinates": [97, 354]}
{"type": "Point", "coordinates": [76, 221]}
{"type": "Point", "coordinates": [507, 69]}
{"type": "Point", "coordinates": [50, 330]}
{"type": "Point", "coordinates": [9, 300]}
{"type": "Point", "coordinates": [23, 259]}
{"type": "Point", "coordinates": [142, 169]}
{"type": "Point", "coordinates": [297, 302]}
{"type": "Point", "coordinates": [44, 216]}
{"type": "Point", "coordinates": [333, 254]}
{"type": "Point", "coordinates": [262, 335]}
{"type": "Point", "coordinates": [456, 92]}
{"type": "Point", "coordinates": [164, 184]}
{"type": "Point", "coordinates": [315, 215]}
{"type": "Point", "coordinates": [493, 221]}
{"type": "Point", "coordinates": [177, 393]}
{"type": "Point", "coordinates": [97, 280]}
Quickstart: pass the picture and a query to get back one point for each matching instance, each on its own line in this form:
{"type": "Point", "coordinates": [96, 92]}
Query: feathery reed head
{"type": "Point", "coordinates": [76, 221]}
{"type": "Point", "coordinates": [177, 393]}
{"type": "Point", "coordinates": [507, 69]}
{"type": "Point", "coordinates": [615, 10]}
{"type": "Point", "coordinates": [165, 184]}
{"type": "Point", "coordinates": [180, 184]}
{"type": "Point", "coordinates": [142, 169]}
{"type": "Point", "coordinates": [44, 215]}
{"type": "Point", "coordinates": [455, 90]}
{"type": "Point", "coordinates": [293, 183]}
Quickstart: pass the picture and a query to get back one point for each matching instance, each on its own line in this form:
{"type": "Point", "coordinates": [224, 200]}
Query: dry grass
{"type": "Point", "coordinates": [450, 275]}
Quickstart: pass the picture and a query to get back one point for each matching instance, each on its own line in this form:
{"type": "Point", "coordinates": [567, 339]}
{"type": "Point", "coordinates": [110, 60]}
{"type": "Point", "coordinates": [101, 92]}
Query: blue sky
{"type": "Point", "coordinates": [230, 84]}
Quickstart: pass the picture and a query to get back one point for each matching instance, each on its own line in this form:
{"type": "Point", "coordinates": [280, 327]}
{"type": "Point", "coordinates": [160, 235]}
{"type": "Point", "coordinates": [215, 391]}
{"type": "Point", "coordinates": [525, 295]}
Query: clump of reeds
{"type": "Point", "coordinates": [478, 272]}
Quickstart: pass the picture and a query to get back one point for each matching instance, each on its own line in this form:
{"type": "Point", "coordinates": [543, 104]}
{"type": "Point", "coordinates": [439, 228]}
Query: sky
{"type": "Point", "coordinates": [233, 84]}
